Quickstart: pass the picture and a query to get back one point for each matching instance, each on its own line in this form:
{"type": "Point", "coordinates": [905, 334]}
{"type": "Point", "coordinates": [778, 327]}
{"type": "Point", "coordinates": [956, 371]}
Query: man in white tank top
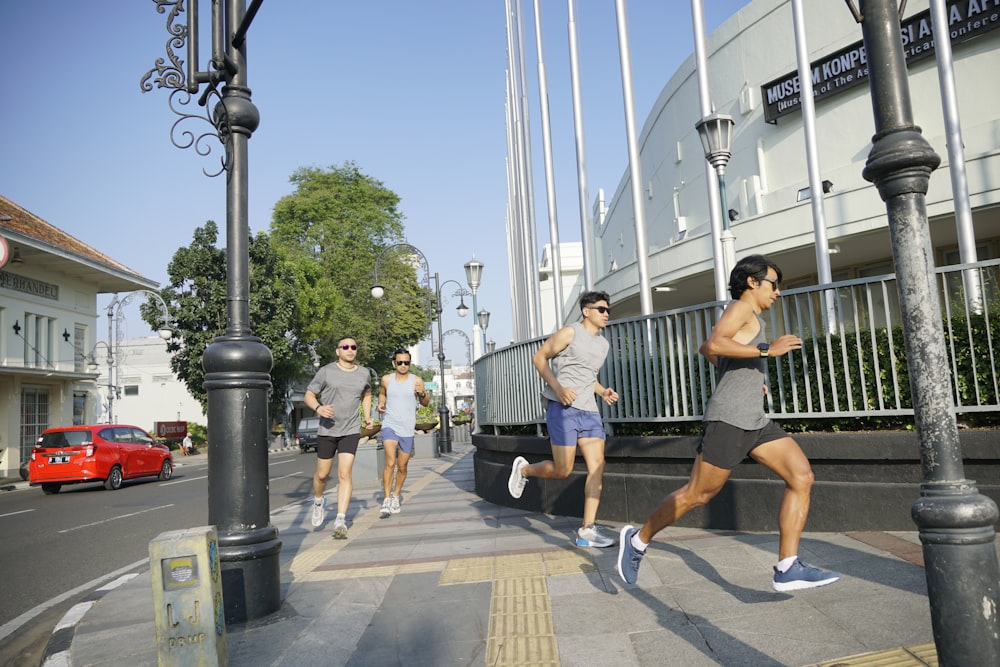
{"type": "Point", "coordinates": [576, 353]}
{"type": "Point", "coordinates": [398, 396]}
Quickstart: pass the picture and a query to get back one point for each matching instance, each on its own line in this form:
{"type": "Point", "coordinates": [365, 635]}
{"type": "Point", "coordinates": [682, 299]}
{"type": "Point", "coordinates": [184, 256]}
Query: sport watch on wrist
{"type": "Point", "coordinates": [764, 348]}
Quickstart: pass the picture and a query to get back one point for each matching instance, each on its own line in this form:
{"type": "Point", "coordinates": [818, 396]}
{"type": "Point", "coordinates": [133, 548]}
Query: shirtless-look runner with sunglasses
{"type": "Point", "coordinates": [736, 426]}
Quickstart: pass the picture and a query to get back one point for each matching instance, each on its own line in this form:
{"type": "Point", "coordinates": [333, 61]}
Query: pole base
{"type": "Point", "coordinates": [251, 577]}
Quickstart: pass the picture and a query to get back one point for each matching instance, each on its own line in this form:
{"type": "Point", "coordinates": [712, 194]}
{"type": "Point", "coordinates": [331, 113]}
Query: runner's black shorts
{"type": "Point", "coordinates": [328, 445]}
{"type": "Point", "coordinates": [725, 446]}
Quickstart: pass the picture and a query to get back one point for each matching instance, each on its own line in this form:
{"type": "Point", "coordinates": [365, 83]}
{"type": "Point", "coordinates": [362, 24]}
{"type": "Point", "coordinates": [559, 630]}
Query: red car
{"type": "Point", "coordinates": [109, 453]}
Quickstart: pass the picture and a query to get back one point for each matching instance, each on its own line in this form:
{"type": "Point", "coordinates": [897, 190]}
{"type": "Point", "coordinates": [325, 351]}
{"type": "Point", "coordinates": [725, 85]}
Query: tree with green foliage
{"type": "Point", "coordinates": [196, 300]}
{"type": "Point", "coordinates": [332, 231]}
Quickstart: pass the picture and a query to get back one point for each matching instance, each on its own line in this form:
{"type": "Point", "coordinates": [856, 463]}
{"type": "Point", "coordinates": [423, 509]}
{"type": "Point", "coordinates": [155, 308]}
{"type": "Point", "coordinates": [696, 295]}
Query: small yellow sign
{"type": "Point", "coordinates": [179, 572]}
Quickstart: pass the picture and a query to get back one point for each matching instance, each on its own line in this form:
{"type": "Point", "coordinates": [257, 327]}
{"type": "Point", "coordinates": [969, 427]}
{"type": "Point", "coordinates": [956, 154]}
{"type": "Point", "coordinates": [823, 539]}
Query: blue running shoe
{"type": "Point", "coordinates": [628, 556]}
{"type": "Point", "coordinates": [800, 576]}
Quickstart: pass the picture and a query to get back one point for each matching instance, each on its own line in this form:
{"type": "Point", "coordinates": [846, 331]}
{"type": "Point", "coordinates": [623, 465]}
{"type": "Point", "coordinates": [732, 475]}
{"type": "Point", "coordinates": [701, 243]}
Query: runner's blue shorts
{"type": "Point", "coordinates": [405, 443]}
{"type": "Point", "coordinates": [568, 424]}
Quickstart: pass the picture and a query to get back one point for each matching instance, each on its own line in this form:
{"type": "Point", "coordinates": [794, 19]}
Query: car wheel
{"type": "Point", "coordinates": [114, 480]}
{"type": "Point", "coordinates": [50, 489]}
{"type": "Point", "coordinates": [166, 471]}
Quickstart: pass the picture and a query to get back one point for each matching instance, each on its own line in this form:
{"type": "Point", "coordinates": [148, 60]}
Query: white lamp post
{"type": "Point", "coordinates": [473, 276]}
{"type": "Point", "coordinates": [716, 133]}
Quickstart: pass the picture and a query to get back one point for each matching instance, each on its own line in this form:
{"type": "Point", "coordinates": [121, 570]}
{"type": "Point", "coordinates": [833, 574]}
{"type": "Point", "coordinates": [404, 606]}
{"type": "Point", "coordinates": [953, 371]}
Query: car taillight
{"type": "Point", "coordinates": [89, 451]}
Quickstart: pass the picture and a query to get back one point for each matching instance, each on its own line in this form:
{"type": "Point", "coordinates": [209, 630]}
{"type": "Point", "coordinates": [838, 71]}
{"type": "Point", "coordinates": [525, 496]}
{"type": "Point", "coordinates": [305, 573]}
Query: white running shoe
{"type": "Point", "coordinates": [394, 506]}
{"type": "Point", "coordinates": [319, 513]}
{"type": "Point", "coordinates": [339, 529]}
{"type": "Point", "coordinates": [386, 508]}
{"type": "Point", "coordinates": [516, 481]}
{"type": "Point", "coordinates": [589, 536]}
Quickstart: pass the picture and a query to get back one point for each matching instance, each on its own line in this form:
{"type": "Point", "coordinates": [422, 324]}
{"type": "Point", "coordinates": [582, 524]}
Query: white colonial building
{"type": "Point", "coordinates": [49, 329]}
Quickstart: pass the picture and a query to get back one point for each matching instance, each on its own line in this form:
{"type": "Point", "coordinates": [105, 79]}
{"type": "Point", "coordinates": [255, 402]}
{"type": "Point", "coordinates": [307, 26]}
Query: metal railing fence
{"type": "Point", "coordinates": [852, 363]}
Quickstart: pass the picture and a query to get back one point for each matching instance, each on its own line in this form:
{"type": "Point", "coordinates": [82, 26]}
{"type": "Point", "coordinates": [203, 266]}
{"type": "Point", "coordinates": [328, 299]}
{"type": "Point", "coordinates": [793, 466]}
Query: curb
{"type": "Point", "coordinates": [15, 486]}
{"type": "Point", "coordinates": [57, 651]}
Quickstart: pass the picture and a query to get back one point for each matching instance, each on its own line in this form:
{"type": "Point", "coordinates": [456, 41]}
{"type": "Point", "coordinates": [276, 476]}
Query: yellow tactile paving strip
{"type": "Point", "coordinates": [521, 629]}
{"type": "Point", "coordinates": [922, 655]}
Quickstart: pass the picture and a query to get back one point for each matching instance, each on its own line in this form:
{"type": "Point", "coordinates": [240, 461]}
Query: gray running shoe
{"type": "Point", "coordinates": [589, 536]}
{"type": "Point", "coordinates": [319, 513]}
{"type": "Point", "coordinates": [516, 481]}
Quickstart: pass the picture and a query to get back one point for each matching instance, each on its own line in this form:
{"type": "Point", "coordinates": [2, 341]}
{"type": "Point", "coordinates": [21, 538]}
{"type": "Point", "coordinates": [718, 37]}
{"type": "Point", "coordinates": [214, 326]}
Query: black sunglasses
{"type": "Point", "coordinates": [601, 309]}
{"type": "Point", "coordinates": [402, 363]}
{"type": "Point", "coordinates": [348, 347]}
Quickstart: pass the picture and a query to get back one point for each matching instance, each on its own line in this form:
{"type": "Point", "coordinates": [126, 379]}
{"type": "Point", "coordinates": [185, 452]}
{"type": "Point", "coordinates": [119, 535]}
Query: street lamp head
{"type": "Point", "coordinates": [473, 273]}
{"type": "Point", "coordinates": [491, 346]}
{"type": "Point", "coordinates": [165, 333]}
{"type": "Point", "coordinates": [484, 319]}
{"type": "Point", "coordinates": [716, 133]}
{"type": "Point", "coordinates": [462, 309]}
{"type": "Point", "coordinates": [378, 291]}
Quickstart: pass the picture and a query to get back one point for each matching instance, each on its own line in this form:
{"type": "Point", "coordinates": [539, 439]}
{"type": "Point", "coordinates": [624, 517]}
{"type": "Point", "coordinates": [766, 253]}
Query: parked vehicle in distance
{"type": "Point", "coordinates": [305, 437]}
{"type": "Point", "coordinates": [108, 453]}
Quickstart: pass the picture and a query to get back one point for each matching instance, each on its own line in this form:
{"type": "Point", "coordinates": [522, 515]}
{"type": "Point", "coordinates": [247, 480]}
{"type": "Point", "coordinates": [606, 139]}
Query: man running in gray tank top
{"type": "Point", "coordinates": [576, 353]}
{"type": "Point", "coordinates": [398, 396]}
{"type": "Point", "coordinates": [736, 426]}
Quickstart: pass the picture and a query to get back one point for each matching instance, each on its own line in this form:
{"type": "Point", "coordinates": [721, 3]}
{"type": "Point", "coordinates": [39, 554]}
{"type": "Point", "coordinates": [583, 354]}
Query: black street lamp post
{"type": "Point", "coordinates": [955, 521]}
{"type": "Point", "coordinates": [378, 291]}
{"type": "Point", "coordinates": [237, 364]}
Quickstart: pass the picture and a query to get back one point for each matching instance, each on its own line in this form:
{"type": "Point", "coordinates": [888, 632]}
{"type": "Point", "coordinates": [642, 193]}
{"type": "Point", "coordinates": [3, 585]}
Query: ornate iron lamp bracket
{"type": "Point", "coordinates": [169, 73]}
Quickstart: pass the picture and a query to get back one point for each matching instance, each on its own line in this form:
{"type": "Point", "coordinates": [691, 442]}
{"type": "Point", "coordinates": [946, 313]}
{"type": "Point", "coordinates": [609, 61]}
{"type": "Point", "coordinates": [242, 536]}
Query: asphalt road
{"type": "Point", "coordinates": [56, 549]}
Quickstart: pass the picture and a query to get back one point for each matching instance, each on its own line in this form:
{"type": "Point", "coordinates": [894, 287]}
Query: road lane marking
{"type": "Point", "coordinates": [13, 513]}
{"type": "Point", "coordinates": [293, 474]}
{"type": "Point", "coordinates": [184, 479]}
{"type": "Point", "coordinates": [115, 518]}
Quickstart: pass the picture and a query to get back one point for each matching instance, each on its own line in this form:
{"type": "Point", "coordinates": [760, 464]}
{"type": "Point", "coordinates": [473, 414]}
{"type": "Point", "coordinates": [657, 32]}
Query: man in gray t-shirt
{"type": "Point", "coordinates": [568, 363]}
{"type": "Point", "coordinates": [737, 426]}
{"type": "Point", "coordinates": [336, 393]}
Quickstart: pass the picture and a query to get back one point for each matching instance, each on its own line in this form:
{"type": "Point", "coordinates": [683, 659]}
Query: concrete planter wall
{"type": "Point", "coordinates": [864, 480]}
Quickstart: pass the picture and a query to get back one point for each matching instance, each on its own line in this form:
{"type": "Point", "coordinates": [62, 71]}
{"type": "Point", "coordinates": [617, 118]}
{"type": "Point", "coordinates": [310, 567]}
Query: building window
{"type": "Point", "coordinates": [131, 390]}
{"type": "Point", "coordinates": [79, 408]}
{"type": "Point", "coordinates": [79, 347]}
{"type": "Point", "coordinates": [34, 418]}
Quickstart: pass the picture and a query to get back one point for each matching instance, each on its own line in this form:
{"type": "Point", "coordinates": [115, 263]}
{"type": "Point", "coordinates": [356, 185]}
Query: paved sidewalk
{"type": "Point", "coordinates": [453, 580]}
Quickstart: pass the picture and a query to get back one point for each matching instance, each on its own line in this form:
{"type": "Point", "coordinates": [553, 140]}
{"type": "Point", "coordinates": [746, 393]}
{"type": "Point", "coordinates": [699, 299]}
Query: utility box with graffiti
{"type": "Point", "coordinates": [187, 598]}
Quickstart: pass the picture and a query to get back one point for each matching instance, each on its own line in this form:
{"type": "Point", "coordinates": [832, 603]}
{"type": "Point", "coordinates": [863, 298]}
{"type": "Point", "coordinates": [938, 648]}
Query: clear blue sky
{"type": "Point", "coordinates": [411, 91]}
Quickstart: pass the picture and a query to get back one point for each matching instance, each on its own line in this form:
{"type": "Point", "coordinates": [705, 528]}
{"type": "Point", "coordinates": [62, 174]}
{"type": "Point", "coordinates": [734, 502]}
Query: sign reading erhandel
{"type": "Point", "coordinates": [840, 71]}
{"type": "Point", "coordinates": [12, 281]}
